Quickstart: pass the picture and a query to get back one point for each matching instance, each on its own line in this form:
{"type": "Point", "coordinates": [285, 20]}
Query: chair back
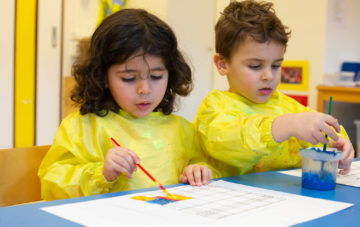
{"type": "Point", "coordinates": [19, 182]}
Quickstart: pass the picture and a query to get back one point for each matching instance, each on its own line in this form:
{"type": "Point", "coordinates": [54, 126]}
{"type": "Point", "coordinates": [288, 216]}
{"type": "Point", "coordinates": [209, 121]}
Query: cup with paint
{"type": "Point", "coordinates": [319, 168]}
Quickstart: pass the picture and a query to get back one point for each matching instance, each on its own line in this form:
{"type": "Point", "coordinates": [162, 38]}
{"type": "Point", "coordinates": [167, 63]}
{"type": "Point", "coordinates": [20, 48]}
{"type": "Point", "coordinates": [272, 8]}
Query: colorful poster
{"type": "Point", "coordinates": [108, 7]}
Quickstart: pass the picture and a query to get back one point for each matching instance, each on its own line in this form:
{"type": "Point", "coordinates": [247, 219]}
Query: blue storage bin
{"type": "Point", "coordinates": [351, 67]}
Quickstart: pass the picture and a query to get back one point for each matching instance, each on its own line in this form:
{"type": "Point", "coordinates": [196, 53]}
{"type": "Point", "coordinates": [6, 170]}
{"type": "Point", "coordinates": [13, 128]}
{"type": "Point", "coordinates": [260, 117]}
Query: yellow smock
{"type": "Point", "coordinates": [236, 133]}
{"type": "Point", "coordinates": [73, 166]}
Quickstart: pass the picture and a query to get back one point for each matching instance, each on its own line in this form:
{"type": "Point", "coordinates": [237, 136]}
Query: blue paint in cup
{"type": "Point", "coordinates": [313, 175]}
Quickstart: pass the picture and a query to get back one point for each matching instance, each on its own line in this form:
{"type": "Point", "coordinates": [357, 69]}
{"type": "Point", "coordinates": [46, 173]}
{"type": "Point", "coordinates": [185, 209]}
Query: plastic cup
{"type": "Point", "coordinates": [319, 169]}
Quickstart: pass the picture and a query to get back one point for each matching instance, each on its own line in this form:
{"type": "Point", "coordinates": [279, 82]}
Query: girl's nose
{"type": "Point", "coordinates": [144, 87]}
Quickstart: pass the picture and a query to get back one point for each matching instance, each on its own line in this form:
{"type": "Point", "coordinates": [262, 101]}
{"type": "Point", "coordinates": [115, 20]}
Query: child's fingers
{"type": "Point", "coordinates": [190, 177]}
{"type": "Point", "coordinates": [206, 175]}
{"type": "Point", "coordinates": [131, 161]}
{"type": "Point", "coordinates": [119, 169]}
{"type": "Point", "coordinates": [197, 175]}
{"type": "Point", "coordinates": [348, 156]}
{"type": "Point", "coordinates": [134, 156]}
{"type": "Point", "coordinates": [183, 178]}
{"type": "Point", "coordinates": [313, 140]}
{"type": "Point", "coordinates": [124, 163]}
{"type": "Point", "coordinates": [319, 137]}
{"type": "Point", "coordinates": [329, 131]}
{"type": "Point", "coordinates": [344, 171]}
{"type": "Point", "coordinates": [333, 122]}
{"type": "Point", "coordinates": [128, 159]}
{"type": "Point", "coordinates": [122, 170]}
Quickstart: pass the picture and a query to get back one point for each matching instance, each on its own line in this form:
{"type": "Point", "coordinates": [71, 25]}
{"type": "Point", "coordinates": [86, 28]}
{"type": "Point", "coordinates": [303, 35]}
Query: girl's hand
{"type": "Point", "coordinates": [346, 147]}
{"type": "Point", "coordinates": [307, 126]}
{"type": "Point", "coordinates": [196, 175]}
{"type": "Point", "coordinates": [119, 160]}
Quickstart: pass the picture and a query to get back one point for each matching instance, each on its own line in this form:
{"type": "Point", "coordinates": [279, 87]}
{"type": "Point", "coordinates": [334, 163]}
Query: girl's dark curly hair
{"type": "Point", "coordinates": [117, 38]}
{"type": "Point", "coordinates": [244, 19]}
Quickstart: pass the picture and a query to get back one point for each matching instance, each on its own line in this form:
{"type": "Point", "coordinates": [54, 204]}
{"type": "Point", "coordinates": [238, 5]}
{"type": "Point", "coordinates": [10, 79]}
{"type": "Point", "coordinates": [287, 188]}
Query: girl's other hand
{"type": "Point", "coordinates": [196, 175]}
{"type": "Point", "coordinates": [119, 160]}
{"type": "Point", "coordinates": [346, 147]}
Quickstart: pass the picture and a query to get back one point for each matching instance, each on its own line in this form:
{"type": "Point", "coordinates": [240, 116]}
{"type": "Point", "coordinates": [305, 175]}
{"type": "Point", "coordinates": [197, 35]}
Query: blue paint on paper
{"type": "Point", "coordinates": [161, 201]}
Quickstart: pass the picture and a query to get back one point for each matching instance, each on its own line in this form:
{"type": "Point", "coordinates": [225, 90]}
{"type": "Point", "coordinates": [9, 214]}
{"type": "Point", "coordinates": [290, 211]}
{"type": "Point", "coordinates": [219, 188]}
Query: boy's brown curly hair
{"type": "Point", "coordinates": [117, 38]}
{"type": "Point", "coordinates": [244, 19]}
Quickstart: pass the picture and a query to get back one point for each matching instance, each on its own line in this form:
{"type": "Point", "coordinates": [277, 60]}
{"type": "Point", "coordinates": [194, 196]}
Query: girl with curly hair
{"type": "Point", "coordinates": [127, 85]}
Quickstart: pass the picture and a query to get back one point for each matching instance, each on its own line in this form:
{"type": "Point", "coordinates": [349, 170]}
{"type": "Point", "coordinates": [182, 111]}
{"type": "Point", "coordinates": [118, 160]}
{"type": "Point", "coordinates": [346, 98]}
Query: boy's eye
{"type": "Point", "coordinates": [156, 77]}
{"type": "Point", "coordinates": [128, 79]}
{"type": "Point", "coordinates": [276, 66]}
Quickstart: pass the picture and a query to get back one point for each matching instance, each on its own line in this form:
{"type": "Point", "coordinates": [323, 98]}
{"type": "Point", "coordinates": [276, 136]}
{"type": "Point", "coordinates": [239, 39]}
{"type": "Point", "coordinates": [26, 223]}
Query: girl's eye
{"type": "Point", "coordinates": [156, 77]}
{"type": "Point", "coordinates": [254, 67]}
{"type": "Point", "coordinates": [130, 79]}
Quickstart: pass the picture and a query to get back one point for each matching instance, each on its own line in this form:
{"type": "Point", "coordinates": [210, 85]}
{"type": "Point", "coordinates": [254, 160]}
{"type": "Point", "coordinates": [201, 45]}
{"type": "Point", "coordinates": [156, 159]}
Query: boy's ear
{"type": "Point", "coordinates": [220, 64]}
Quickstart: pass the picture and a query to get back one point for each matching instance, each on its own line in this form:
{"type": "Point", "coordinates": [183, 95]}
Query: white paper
{"type": "Point", "coordinates": [352, 178]}
{"type": "Point", "coordinates": [220, 203]}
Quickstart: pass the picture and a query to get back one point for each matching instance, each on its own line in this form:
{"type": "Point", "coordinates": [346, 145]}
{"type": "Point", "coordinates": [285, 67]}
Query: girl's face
{"type": "Point", "coordinates": [138, 85]}
{"type": "Point", "coordinates": [254, 69]}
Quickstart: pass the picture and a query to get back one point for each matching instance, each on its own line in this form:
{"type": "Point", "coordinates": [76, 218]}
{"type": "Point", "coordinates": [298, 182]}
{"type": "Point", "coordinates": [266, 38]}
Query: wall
{"type": "Point", "coordinates": [158, 7]}
{"type": "Point", "coordinates": [79, 22]}
{"type": "Point", "coordinates": [195, 34]}
{"type": "Point", "coordinates": [307, 20]}
{"type": "Point", "coordinates": [7, 19]}
{"type": "Point", "coordinates": [219, 82]}
{"type": "Point", "coordinates": [342, 34]}
{"type": "Point", "coordinates": [48, 76]}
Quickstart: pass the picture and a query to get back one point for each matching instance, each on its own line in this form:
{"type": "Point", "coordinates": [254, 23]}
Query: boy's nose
{"type": "Point", "coordinates": [144, 87]}
{"type": "Point", "coordinates": [267, 75]}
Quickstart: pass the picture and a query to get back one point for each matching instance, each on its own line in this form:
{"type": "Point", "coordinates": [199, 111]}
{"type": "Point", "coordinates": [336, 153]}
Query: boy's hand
{"type": "Point", "coordinates": [307, 126]}
{"type": "Point", "coordinates": [346, 147]}
{"type": "Point", "coordinates": [119, 160]}
{"type": "Point", "coordinates": [196, 175]}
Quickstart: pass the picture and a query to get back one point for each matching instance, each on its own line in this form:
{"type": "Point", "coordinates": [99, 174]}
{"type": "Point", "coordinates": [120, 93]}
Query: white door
{"type": "Point", "coordinates": [48, 77]}
{"type": "Point", "coordinates": [193, 23]}
{"type": "Point", "coordinates": [7, 25]}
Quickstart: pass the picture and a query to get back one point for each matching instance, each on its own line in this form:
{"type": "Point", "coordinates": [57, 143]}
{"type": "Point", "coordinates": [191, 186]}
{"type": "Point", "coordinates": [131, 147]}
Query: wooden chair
{"type": "Point", "coordinates": [19, 182]}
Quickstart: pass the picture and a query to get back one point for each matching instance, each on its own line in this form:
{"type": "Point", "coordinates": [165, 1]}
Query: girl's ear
{"type": "Point", "coordinates": [220, 64]}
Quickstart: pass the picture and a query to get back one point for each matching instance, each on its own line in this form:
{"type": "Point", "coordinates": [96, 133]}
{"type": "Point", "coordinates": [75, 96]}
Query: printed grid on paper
{"type": "Point", "coordinates": [353, 177]}
{"type": "Point", "coordinates": [216, 202]}
{"type": "Point", "coordinates": [354, 172]}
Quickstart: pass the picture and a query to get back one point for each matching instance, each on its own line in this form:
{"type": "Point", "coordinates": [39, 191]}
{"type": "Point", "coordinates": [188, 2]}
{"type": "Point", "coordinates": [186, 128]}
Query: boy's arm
{"type": "Point", "coordinates": [237, 140]}
{"type": "Point", "coordinates": [199, 157]}
{"type": "Point", "coordinates": [195, 154]}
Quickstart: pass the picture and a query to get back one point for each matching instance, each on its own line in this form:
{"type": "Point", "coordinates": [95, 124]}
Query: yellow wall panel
{"type": "Point", "coordinates": [25, 56]}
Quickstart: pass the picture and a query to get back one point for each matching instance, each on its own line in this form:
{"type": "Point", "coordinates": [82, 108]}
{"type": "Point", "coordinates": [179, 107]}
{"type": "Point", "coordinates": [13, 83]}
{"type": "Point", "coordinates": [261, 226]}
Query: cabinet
{"type": "Point", "coordinates": [346, 110]}
{"type": "Point", "coordinates": [339, 94]}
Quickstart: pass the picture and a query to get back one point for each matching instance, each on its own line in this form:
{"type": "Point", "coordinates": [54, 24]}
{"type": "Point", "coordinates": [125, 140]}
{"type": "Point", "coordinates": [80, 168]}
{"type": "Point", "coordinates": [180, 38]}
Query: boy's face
{"type": "Point", "coordinates": [139, 84]}
{"type": "Point", "coordinates": [254, 69]}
